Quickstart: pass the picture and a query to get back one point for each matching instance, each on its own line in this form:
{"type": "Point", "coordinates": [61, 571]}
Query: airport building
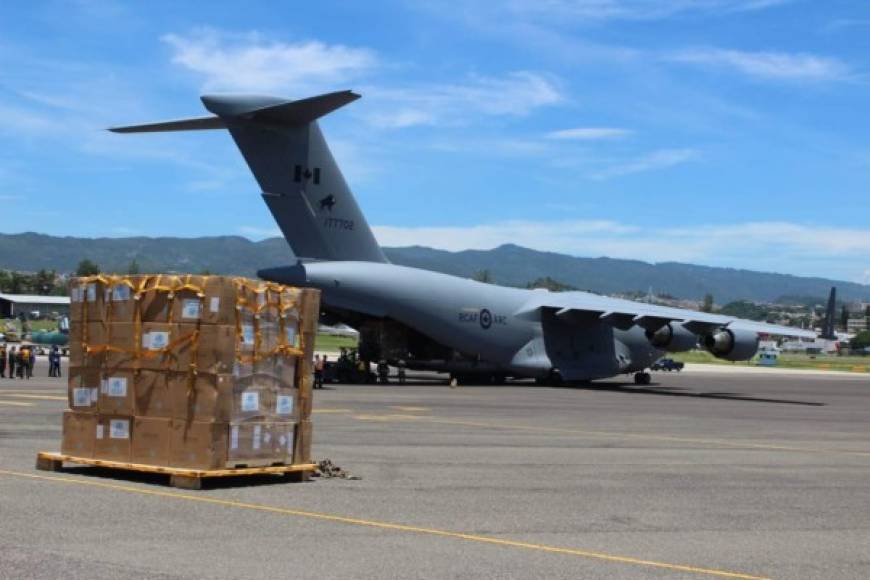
{"type": "Point", "coordinates": [856, 325]}
{"type": "Point", "coordinates": [12, 305]}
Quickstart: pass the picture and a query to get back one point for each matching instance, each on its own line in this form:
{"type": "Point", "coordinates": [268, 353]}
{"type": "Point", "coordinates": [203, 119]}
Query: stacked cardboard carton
{"type": "Point", "coordinates": [202, 372]}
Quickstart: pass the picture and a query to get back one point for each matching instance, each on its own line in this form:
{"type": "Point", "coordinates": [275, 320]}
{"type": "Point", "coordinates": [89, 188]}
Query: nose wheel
{"type": "Point", "coordinates": [643, 378]}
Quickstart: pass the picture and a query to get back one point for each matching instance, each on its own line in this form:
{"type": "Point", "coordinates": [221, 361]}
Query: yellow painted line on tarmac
{"type": "Point", "coordinates": [392, 417]}
{"type": "Point", "coordinates": [617, 434]}
{"type": "Point", "coordinates": [589, 554]}
{"type": "Point", "coordinates": [16, 403]}
{"type": "Point", "coordinates": [410, 409]}
{"type": "Point", "coordinates": [328, 410]}
{"type": "Point", "coordinates": [40, 397]}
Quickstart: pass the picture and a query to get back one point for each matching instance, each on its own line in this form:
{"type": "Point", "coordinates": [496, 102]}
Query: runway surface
{"type": "Point", "coordinates": [700, 475]}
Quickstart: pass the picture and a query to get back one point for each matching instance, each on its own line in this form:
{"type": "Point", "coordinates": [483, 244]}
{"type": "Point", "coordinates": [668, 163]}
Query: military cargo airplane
{"type": "Point", "coordinates": [428, 320]}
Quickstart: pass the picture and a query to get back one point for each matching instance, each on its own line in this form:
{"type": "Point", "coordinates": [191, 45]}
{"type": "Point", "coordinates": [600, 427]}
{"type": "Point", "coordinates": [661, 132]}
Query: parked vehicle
{"type": "Point", "coordinates": [667, 364]}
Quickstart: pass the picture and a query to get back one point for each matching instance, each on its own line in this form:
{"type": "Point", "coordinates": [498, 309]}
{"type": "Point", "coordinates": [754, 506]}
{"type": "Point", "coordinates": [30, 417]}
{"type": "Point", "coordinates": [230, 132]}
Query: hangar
{"type": "Point", "coordinates": [11, 305]}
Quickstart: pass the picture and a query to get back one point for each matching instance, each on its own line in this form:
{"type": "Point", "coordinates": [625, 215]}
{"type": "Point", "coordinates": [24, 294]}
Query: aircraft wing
{"type": "Point", "coordinates": [583, 308]}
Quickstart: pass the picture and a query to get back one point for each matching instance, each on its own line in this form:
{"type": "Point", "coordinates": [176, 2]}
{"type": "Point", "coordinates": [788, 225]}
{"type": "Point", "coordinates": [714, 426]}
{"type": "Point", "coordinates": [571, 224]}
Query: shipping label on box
{"type": "Point", "coordinates": [191, 309]}
{"type": "Point", "coordinates": [83, 388]}
{"type": "Point", "coordinates": [251, 402]}
{"type": "Point", "coordinates": [115, 396]}
{"type": "Point", "coordinates": [285, 406]}
{"type": "Point", "coordinates": [284, 440]}
{"type": "Point", "coordinates": [87, 301]}
{"type": "Point", "coordinates": [113, 438]}
{"type": "Point", "coordinates": [252, 444]}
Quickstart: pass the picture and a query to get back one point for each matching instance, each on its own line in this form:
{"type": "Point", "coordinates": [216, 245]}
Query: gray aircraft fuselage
{"type": "Point", "coordinates": [476, 319]}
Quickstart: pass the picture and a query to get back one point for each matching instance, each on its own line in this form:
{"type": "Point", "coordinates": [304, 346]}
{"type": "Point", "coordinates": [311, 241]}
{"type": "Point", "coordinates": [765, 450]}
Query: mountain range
{"type": "Point", "coordinates": [508, 265]}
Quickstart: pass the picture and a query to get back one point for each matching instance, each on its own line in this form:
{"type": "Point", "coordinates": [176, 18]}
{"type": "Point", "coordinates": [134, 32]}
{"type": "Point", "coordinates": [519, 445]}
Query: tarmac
{"type": "Point", "coordinates": [712, 474]}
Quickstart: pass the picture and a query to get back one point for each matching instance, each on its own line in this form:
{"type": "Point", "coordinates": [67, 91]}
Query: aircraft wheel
{"type": "Point", "coordinates": [642, 378]}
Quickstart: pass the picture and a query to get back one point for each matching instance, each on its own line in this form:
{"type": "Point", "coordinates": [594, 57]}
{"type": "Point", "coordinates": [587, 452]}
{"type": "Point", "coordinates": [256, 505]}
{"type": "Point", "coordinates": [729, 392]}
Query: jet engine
{"type": "Point", "coordinates": [732, 345]}
{"type": "Point", "coordinates": [672, 338]}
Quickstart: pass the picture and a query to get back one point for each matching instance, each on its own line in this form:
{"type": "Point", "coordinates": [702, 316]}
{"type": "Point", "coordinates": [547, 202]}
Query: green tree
{"type": "Point", "coordinates": [550, 284]}
{"type": "Point", "coordinates": [745, 309]}
{"type": "Point", "coordinates": [44, 282]}
{"type": "Point", "coordinates": [482, 276]}
{"type": "Point", "coordinates": [133, 268]}
{"type": "Point", "coordinates": [861, 340]}
{"type": "Point", "coordinates": [87, 268]}
{"type": "Point", "coordinates": [707, 306]}
{"type": "Point", "coordinates": [19, 283]}
{"type": "Point", "coordinates": [844, 318]}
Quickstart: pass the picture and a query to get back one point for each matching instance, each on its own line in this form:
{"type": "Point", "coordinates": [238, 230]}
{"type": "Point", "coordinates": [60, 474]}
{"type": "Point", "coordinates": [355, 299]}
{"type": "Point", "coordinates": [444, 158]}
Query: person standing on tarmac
{"type": "Point", "coordinates": [54, 362]}
{"type": "Point", "coordinates": [318, 372]}
{"type": "Point", "coordinates": [13, 359]}
{"type": "Point", "coordinates": [3, 361]}
{"type": "Point", "coordinates": [25, 362]}
{"type": "Point", "coordinates": [401, 372]}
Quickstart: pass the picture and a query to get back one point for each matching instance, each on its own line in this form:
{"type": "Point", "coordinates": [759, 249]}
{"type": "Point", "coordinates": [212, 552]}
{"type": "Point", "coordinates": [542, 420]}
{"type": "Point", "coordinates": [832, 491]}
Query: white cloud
{"type": "Point", "coordinates": [603, 10]}
{"type": "Point", "coordinates": [775, 246]}
{"type": "Point", "coordinates": [767, 65]}
{"type": "Point", "coordinates": [250, 63]}
{"type": "Point", "coordinates": [588, 133]}
{"type": "Point", "coordinates": [515, 94]}
{"type": "Point", "coordinates": [660, 159]}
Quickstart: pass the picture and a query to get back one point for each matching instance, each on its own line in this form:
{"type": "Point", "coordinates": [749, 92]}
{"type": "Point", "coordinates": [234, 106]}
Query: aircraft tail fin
{"type": "Point", "coordinates": [300, 181]}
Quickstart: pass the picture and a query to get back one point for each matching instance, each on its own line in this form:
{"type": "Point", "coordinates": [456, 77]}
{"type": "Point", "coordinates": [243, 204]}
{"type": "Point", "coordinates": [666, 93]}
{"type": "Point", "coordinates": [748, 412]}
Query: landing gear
{"type": "Point", "coordinates": [642, 378]}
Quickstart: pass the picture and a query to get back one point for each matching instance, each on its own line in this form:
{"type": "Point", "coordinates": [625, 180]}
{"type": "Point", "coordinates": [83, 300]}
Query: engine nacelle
{"type": "Point", "coordinates": [672, 338]}
{"type": "Point", "coordinates": [732, 345]}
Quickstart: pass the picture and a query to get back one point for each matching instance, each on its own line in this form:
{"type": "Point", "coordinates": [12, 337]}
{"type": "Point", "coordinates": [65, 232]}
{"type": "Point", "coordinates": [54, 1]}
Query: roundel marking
{"type": "Point", "coordinates": [485, 319]}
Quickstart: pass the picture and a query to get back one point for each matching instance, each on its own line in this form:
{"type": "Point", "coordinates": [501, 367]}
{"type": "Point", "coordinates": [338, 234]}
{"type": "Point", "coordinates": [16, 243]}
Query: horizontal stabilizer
{"type": "Point", "coordinates": [194, 124]}
{"type": "Point", "coordinates": [271, 111]}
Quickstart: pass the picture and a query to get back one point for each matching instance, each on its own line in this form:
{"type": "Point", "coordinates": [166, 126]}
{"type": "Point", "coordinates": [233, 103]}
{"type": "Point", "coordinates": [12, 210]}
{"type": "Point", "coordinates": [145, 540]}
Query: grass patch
{"type": "Point", "coordinates": [788, 360]}
{"type": "Point", "coordinates": [329, 342]}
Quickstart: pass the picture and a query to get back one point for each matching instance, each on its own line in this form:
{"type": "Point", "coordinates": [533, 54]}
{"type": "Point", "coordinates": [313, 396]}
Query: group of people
{"type": "Point", "coordinates": [19, 361]}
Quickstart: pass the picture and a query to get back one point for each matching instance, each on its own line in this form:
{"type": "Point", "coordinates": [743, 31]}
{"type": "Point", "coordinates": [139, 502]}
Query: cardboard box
{"type": "Point", "coordinates": [284, 440]}
{"type": "Point", "coordinates": [113, 438]}
{"type": "Point", "coordinates": [166, 347]}
{"type": "Point", "coordinates": [215, 305]}
{"type": "Point", "coordinates": [254, 402]}
{"type": "Point", "coordinates": [79, 430]}
{"type": "Point", "coordinates": [121, 336]}
{"type": "Point", "coordinates": [198, 445]}
{"type": "Point", "coordinates": [286, 405]}
{"type": "Point", "coordinates": [152, 394]}
{"type": "Point", "coordinates": [216, 351]}
{"type": "Point", "coordinates": [120, 302]}
{"type": "Point", "coordinates": [302, 442]}
{"type": "Point", "coordinates": [151, 441]}
{"type": "Point", "coordinates": [207, 398]}
{"type": "Point", "coordinates": [83, 389]}
{"type": "Point", "coordinates": [83, 334]}
{"type": "Point", "coordinates": [252, 444]}
{"type": "Point", "coordinates": [116, 392]}
{"type": "Point", "coordinates": [87, 301]}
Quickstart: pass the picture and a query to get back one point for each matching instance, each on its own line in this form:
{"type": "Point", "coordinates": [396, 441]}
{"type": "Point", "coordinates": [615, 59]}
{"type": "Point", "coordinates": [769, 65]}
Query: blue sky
{"type": "Point", "coordinates": [729, 133]}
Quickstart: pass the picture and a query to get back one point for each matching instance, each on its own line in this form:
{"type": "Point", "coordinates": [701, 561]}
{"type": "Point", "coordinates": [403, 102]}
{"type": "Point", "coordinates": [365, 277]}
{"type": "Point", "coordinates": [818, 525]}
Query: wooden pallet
{"type": "Point", "coordinates": [178, 477]}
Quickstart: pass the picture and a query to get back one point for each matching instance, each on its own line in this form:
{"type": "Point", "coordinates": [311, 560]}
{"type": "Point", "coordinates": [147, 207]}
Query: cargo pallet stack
{"type": "Point", "coordinates": [193, 376]}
